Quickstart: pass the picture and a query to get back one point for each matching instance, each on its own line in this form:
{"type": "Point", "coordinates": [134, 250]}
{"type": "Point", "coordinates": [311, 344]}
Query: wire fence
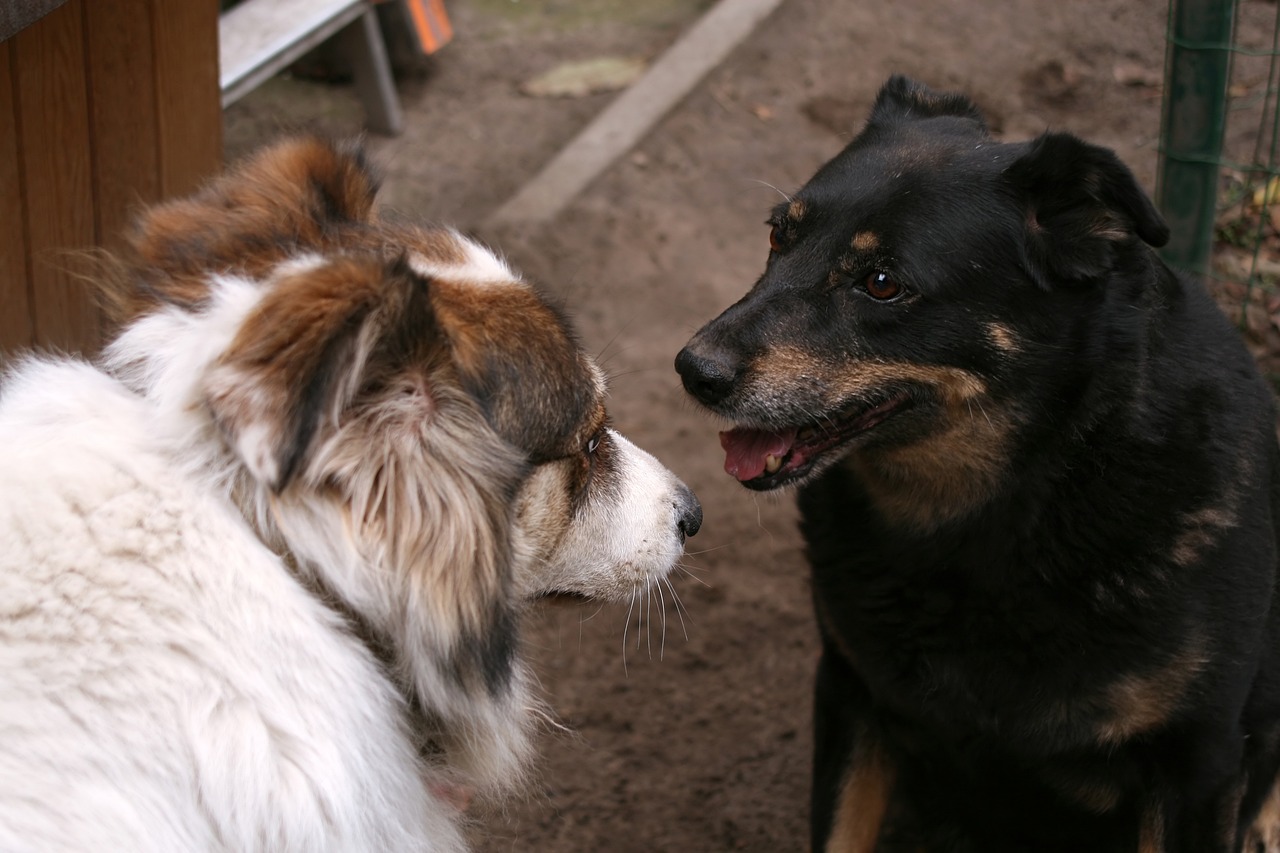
{"type": "Point", "coordinates": [1219, 181]}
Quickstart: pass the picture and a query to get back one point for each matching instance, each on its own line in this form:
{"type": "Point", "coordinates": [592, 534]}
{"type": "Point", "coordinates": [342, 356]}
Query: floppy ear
{"type": "Point", "coordinates": [298, 358]}
{"type": "Point", "coordinates": [903, 98]}
{"type": "Point", "coordinates": [1081, 204]}
{"type": "Point", "coordinates": [289, 196]}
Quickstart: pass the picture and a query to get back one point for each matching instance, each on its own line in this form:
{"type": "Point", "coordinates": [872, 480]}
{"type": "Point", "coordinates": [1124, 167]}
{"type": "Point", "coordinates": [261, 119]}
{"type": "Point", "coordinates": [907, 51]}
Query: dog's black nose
{"type": "Point", "coordinates": [688, 511]}
{"type": "Point", "coordinates": [708, 374]}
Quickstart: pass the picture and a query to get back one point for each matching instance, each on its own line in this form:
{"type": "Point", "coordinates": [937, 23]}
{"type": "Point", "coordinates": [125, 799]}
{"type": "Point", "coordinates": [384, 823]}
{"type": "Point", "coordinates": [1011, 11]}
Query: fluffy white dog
{"type": "Point", "coordinates": [261, 568]}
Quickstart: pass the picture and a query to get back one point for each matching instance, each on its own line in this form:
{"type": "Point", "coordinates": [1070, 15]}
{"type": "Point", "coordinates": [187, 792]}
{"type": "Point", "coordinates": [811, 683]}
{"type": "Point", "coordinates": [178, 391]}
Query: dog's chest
{"type": "Point", "coordinates": [989, 650]}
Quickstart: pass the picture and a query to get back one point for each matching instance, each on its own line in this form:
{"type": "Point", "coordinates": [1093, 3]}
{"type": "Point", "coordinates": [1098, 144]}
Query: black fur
{"type": "Point", "coordinates": [1057, 629]}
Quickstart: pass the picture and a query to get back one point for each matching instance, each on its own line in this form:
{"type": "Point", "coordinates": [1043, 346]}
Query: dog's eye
{"type": "Point", "coordinates": [593, 443]}
{"type": "Point", "coordinates": [775, 238]}
{"type": "Point", "coordinates": [880, 286]}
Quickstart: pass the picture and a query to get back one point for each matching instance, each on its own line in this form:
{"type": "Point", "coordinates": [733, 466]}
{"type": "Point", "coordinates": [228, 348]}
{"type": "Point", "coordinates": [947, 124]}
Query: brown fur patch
{"type": "Point", "coordinates": [495, 329]}
{"type": "Point", "coordinates": [796, 210]}
{"type": "Point", "coordinates": [1003, 338]}
{"type": "Point", "coordinates": [1151, 829]}
{"type": "Point", "coordinates": [844, 381]}
{"type": "Point", "coordinates": [1200, 530]}
{"type": "Point", "coordinates": [1263, 835]}
{"type": "Point", "coordinates": [1140, 703]}
{"type": "Point", "coordinates": [939, 478]}
{"type": "Point", "coordinates": [865, 241]}
{"type": "Point", "coordinates": [434, 244]}
{"type": "Point", "coordinates": [927, 482]}
{"type": "Point", "coordinates": [295, 196]}
{"type": "Point", "coordinates": [277, 370]}
{"type": "Point", "coordinates": [864, 799]}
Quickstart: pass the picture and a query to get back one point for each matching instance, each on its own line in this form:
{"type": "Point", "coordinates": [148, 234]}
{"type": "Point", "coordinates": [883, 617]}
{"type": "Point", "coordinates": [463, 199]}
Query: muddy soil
{"type": "Point", "coordinates": [686, 724]}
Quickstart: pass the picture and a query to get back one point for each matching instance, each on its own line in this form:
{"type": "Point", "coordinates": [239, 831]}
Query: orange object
{"type": "Point", "coordinates": [430, 23]}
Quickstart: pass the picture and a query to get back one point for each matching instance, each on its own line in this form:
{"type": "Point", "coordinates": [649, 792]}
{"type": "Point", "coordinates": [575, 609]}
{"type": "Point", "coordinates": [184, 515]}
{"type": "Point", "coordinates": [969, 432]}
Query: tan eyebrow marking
{"type": "Point", "coordinates": [865, 241]}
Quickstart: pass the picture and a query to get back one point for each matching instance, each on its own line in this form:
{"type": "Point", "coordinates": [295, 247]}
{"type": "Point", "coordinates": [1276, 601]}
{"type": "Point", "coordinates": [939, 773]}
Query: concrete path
{"type": "Point", "coordinates": [634, 113]}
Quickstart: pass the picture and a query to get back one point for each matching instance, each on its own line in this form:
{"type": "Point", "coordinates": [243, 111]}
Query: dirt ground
{"type": "Point", "coordinates": [687, 723]}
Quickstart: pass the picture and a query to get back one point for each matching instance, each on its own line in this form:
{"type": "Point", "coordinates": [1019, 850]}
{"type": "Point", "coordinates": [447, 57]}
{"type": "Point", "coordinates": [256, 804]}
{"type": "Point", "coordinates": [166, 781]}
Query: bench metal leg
{"type": "Point", "coordinates": [362, 42]}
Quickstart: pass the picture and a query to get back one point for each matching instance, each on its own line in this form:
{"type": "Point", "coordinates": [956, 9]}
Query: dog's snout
{"type": "Point", "coordinates": [708, 373]}
{"type": "Point", "coordinates": [688, 511]}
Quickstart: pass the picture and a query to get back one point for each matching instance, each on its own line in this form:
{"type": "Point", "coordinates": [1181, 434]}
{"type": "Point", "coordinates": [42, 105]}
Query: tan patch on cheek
{"type": "Point", "coordinates": [927, 482]}
{"type": "Point", "coordinates": [865, 241]}
{"type": "Point", "coordinates": [930, 481]}
{"type": "Point", "coordinates": [782, 366]}
{"type": "Point", "coordinates": [864, 799]}
{"type": "Point", "coordinates": [544, 512]}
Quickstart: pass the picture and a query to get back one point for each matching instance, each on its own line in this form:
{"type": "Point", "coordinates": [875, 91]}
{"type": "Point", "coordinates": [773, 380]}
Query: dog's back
{"type": "Point", "coordinates": [164, 685]}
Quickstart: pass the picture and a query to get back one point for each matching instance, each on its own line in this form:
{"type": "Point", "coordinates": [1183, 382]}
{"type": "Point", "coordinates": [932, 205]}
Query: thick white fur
{"type": "Point", "coordinates": [169, 679]}
{"type": "Point", "coordinates": [165, 683]}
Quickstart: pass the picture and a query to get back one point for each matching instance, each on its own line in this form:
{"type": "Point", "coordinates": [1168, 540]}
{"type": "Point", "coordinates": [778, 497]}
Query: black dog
{"type": "Point", "coordinates": [1039, 490]}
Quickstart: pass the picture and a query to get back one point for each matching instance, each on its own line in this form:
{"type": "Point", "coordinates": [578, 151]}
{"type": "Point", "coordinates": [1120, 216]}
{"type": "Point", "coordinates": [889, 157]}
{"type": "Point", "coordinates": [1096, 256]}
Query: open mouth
{"type": "Point", "coordinates": [764, 459]}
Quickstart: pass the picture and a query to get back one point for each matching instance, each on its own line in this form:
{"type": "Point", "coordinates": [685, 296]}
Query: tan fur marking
{"type": "Point", "coordinates": [864, 799]}
{"type": "Point", "coordinates": [845, 381]}
{"type": "Point", "coordinates": [1151, 830]}
{"type": "Point", "coordinates": [865, 241]}
{"type": "Point", "coordinates": [797, 209]}
{"type": "Point", "coordinates": [1140, 703]}
{"type": "Point", "coordinates": [1263, 834]}
{"type": "Point", "coordinates": [1200, 530]}
{"type": "Point", "coordinates": [931, 481]}
{"type": "Point", "coordinates": [939, 478]}
{"type": "Point", "coordinates": [1003, 338]}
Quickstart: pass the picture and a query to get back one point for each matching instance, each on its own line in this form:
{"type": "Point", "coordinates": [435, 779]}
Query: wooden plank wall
{"type": "Point", "coordinates": [104, 105]}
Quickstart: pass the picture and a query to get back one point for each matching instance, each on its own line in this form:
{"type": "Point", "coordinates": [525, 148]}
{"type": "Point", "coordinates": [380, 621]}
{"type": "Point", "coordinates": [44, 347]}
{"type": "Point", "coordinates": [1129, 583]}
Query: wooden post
{"type": "Point", "coordinates": [105, 105]}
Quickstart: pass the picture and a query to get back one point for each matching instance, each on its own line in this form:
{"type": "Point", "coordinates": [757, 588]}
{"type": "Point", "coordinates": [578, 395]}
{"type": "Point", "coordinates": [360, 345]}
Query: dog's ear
{"type": "Point", "coordinates": [290, 196]}
{"type": "Point", "coordinates": [903, 98]}
{"type": "Point", "coordinates": [1081, 204]}
{"type": "Point", "coordinates": [298, 359]}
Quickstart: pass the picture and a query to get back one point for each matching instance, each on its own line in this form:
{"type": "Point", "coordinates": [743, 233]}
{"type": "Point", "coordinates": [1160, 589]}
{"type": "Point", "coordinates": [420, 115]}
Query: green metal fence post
{"type": "Point", "coordinates": [1197, 71]}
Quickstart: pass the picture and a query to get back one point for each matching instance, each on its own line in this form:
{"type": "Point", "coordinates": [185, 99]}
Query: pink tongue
{"type": "Point", "coordinates": [745, 450]}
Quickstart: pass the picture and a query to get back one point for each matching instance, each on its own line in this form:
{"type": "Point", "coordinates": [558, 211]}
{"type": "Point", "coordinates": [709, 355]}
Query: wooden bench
{"type": "Point", "coordinates": [259, 38]}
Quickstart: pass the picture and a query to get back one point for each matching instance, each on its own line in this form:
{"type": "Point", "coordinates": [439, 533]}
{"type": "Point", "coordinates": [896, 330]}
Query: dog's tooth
{"type": "Point", "coordinates": [772, 464]}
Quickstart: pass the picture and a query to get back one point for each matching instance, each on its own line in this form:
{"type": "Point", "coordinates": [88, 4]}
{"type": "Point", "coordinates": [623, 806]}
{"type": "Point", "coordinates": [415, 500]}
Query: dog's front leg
{"type": "Point", "coordinates": [1194, 806]}
{"type": "Point", "coordinates": [852, 774]}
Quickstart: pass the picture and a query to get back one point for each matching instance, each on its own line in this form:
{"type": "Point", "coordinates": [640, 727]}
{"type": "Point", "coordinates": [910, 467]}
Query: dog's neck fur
{"type": "Point", "coordinates": [164, 357]}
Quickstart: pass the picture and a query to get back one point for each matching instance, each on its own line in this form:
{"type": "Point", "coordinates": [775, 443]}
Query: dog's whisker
{"type": "Point", "coordinates": [772, 187]}
{"type": "Point", "coordinates": [648, 626]}
{"type": "Point", "coordinates": [689, 573]}
{"type": "Point", "coordinates": [662, 602]}
{"type": "Point", "coordinates": [675, 599]}
{"type": "Point", "coordinates": [603, 355]}
{"type": "Point", "coordinates": [639, 614]}
{"type": "Point", "coordinates": [706, 550]}
{"type": "Point", "coordinates": [626, 626]}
